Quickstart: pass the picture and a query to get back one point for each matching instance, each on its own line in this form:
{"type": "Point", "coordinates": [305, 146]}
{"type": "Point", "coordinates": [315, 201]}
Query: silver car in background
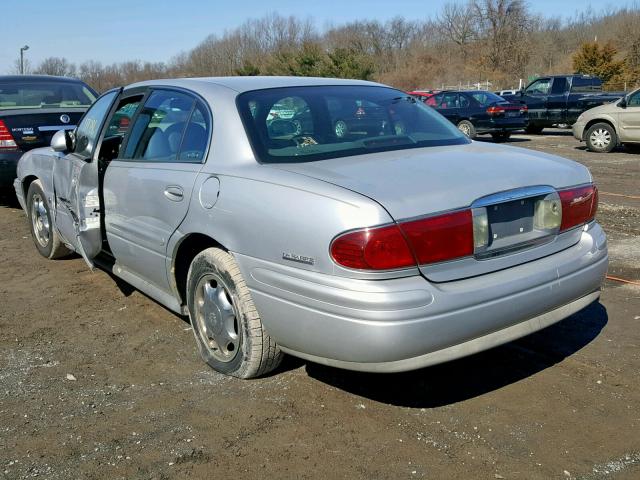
{"type": "Point", "coordinates": [397, 245]}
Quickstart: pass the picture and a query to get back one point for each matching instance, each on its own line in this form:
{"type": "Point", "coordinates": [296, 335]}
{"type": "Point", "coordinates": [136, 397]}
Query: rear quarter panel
{"type": "Point", "coordinates": [265, 213]}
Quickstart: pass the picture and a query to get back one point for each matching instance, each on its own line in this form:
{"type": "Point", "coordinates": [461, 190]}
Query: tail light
{"type": "Point", "coordinates": [494, 111]}
{"type": "Point", "coordinates": [417, 242]}
{"type": "Point", "coordinates": [6, 139]}
{"type": "Point", "coordinates": [523, 109]}
{"type": "Point", "coordinates": [579, 206]}
{"type": "Point", "coordinates": [381, 248]}
{"type": "Point", "coordinates": [451, 235]}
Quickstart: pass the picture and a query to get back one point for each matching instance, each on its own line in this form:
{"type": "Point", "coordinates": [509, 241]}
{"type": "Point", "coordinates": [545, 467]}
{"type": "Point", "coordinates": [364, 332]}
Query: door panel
{"type": "Point", "coordinates": [75, 183]}
{"type": "Point", "coordinates": [629, 119]}
{"type": "Point", "coordinates": [140, 218]}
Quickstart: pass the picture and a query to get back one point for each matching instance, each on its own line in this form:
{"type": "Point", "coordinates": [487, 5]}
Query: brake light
{"type": "Point", "coordinates": [440, 238]}
{"type": "Point", "coordinates": [495, 110]}
{"type": "Point", "coordinates": [6, 139]}
{"type": "Point", "coordinates": [524, 109]}
{"type": "Point", "coordinates": [411, 243]}
{"type": "Point", "coordinates": [579, 206]}
{"type": "Point", "coordinates": [381, 248]}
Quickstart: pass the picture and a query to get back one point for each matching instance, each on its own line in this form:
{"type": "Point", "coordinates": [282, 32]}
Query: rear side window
{"type": "Point", "coordinates": [585, 84]}
{"type": "Point", "coordinates": [157, 133]}
{"type": "Point", "coordinates": [486, 98]}
{"type": "Point", "coordinates": [196, 136]}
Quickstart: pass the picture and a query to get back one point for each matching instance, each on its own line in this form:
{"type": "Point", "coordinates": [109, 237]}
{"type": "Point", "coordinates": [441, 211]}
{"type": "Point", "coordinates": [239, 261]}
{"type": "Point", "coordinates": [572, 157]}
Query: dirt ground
{"type": "Point", "coordinates": [99, 381]}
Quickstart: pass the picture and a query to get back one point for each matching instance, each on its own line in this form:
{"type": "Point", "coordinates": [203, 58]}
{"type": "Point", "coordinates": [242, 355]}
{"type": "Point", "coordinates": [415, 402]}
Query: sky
{"type": "Point", "coordinates": [155, 30]}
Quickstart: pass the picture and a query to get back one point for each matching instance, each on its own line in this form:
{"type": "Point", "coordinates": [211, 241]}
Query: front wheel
{"type": "Point", "coordinates": [43, 231]}
{"type": "Point", "coordinates": [466, 127]}
{"type": "Point", "coordinates": [601, 138]}
{"type": "Point", "coordinates": [225, 322]}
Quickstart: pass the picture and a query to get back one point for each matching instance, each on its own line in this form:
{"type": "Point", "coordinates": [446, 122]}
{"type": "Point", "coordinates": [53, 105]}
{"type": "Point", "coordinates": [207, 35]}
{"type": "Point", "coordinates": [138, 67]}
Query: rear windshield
{"type": "Point", "coordinates": [302, 124]}
{"type": "Point", "coordinates": [44, 95]}
{"type": "Point", "coordinates": [487, 98]}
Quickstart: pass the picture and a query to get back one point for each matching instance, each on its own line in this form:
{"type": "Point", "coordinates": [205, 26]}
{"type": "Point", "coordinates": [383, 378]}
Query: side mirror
{"type": "Point", "coordinates": [623, 102]}
{"type": "Point", "coordinates": [59, 141]}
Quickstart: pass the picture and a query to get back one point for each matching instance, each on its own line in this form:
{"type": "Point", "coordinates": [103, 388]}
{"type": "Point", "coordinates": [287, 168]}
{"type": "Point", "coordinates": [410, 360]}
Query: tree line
{"type": "Point", "coordinates": [500, 41]}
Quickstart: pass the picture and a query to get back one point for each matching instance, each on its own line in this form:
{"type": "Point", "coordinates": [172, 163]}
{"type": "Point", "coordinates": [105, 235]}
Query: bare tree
{"type": "Point", "coordinates": [458, 24]}
{"type": "Point", "coordinates": [56, 66]}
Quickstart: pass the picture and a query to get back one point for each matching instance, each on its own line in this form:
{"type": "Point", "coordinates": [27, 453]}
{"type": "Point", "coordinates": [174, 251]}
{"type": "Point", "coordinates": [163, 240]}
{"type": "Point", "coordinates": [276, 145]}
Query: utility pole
{"type": "Point", "coordinates": [22, 50]}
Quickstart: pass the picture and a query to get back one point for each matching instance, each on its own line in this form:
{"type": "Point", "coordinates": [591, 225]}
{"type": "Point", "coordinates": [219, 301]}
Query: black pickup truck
{"type": "Point", "coordinates": [560, 99]}
{"type": "Point", "coordinates": [32, 109]}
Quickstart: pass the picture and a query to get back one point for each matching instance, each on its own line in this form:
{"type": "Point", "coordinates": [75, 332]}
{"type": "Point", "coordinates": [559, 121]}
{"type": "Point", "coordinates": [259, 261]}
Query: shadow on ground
{"type": "Point", "coordinates": [470, 377]}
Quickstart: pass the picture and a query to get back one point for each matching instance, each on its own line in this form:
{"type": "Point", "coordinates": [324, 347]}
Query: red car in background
{"type": "Point", "coordinates": [423, 95]}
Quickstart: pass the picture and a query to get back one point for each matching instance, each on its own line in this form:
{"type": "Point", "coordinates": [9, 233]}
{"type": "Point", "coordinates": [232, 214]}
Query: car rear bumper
{"type": "Point", "coordinates": [8, 166]}
{"type": "Point", "coordinates": [502, 125]}
{"type": "Point", "coordinates": [409, 323]}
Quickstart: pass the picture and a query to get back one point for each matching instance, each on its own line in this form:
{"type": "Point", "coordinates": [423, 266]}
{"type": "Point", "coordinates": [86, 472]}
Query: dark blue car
{"type": "Point", "coordinates": [32, 109]}
{"type": "Point", "coordinates": [477, 112]}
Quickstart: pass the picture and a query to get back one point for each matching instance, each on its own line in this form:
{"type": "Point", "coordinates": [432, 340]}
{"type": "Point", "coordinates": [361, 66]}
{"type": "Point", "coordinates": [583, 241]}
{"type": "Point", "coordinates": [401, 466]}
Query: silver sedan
{"type": "Point", "coordinates": [360, 230]}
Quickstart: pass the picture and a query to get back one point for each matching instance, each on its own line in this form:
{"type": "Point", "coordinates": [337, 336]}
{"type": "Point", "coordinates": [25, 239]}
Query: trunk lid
{"type": "Point", "coordinates": [418, 182]}
{"type": "Point", "coordinates": [33, 128]}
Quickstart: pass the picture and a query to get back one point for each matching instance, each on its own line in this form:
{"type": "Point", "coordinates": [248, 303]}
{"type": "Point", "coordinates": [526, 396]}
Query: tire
{"type": "Point", "coordinates": [225, 322]}
{"type": "Point", "coordinates": [601, 138]}
{"type": "Point", "coordinates": [501, 136]}
{"type": "Point", "coordinates": [466, 127]}
{"type": "Point", "coordinates": [43, 231]}
{"type": "Point", "coordinates": [533, 129]}
{"type": "Point", "coordinates": [341, 129]}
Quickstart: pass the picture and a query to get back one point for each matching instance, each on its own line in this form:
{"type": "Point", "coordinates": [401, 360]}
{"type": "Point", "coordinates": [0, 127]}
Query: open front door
{"type": "Point", "coordinates": [76, 183]}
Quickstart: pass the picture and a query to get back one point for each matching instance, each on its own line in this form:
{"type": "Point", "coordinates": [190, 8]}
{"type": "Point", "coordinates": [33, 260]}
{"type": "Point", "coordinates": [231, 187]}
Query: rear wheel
{"type": "Point", "coordinates": [533, 129]}
{"type": "Point", "coordinates": [601, 138]}
{"type": "Point", "coordinates": [501, 136]}
{"type": "Point", "coordinates": [43, 231]}
{"type": "Point", "coordinates": [226, 324]}
{"type": "Point", "coordinates": [466, 127]}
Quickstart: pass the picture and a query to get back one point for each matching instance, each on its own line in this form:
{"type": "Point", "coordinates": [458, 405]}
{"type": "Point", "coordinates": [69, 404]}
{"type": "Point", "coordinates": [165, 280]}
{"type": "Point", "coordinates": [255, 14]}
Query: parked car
{"type": "Point", "coordinates": [373, 252]}
{"type": "Point", "coordinates": [477, 112]}
{"type": "Point", "coordinates": [560, 99]}
{"type": "Point", "coordinates": [603, 128]}
{"type": "Point", "coordinates": [32, 109]}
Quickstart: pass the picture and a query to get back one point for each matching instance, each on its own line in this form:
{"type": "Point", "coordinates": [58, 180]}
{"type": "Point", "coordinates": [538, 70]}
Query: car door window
{"type": "Point", "coordinates": [158, 129]}
{"type": "Point", "coordinates": [464, 101]}
{"type": "Point", "coordinates": [559, 86]}
{"type": "Point", "coordinates": [86, 134]}
{"type": "Point", "coordinates": [117, 127]}
{"type": "Point", "coordinates": [196, 136]}
{"type": "Point", "coordinates": [634, 99]}
{"type": "Point", "coordinates": [539, 87]}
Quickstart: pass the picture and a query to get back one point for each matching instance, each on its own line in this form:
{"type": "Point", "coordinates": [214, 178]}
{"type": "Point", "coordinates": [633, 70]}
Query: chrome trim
{"type": "Point", "coordinates": [55, 128]}
{"type": "Point", "coordinates": [515, 194]}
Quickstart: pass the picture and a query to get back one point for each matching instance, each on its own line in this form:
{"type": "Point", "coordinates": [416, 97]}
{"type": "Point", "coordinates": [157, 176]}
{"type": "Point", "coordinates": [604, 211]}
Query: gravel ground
{"type": "Point", "coordinates": [98, 381]}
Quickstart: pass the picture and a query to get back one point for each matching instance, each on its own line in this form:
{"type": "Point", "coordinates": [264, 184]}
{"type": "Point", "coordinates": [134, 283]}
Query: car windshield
{"type": "Point", "coordinates": [335, 121]}
{"type": "Point", "coordinates": [487, 98]}
{"type": "Point", "coordinates": [44, 95]}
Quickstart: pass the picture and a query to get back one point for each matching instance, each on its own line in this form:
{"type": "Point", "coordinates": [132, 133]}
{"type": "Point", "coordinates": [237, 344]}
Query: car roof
{"type": "Point", "coordinates": [244, 84]}
{"type": "Point", "coordinates": [36, 79]}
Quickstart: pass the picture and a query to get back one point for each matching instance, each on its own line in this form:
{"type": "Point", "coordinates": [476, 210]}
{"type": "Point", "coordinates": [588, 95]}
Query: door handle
{"type": "Point", "coordinates": [174, 193]}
